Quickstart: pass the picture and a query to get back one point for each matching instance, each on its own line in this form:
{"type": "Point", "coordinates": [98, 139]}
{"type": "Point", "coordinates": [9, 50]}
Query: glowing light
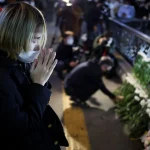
{"type": "Point", "coordinates": [67, 1]}
{"type": "Point", "coordinates": [69, 4]}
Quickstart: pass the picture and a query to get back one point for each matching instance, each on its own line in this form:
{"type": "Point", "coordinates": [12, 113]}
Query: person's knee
{"type": "Point", "coordinates": [59, 66]}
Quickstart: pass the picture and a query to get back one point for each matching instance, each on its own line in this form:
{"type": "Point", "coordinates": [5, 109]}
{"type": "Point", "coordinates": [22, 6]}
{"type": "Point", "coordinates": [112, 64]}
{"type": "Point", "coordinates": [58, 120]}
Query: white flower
{"type": "Point", "coordinates": [148, 101]}
{"type": "Point", "coordinates": [136, 98]}
{"type": "Point", "coordinates": [141, 94]}
{"type": "Point", "coordinates": [148, 105]}
{"type": "Point", "coordinates": [143, 103]}
{"type": "Point", "coordinates": [146, 96]}
{"type": "Point", "coordinates": [148, 111]}
{"type": "Point", "coordinates": [137, 91]}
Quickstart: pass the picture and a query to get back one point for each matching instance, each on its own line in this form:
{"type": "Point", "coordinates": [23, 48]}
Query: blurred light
{"type": "Point", "coordinates": [67, 1]}
{"type": "Point", "coordinates": [69, 4]}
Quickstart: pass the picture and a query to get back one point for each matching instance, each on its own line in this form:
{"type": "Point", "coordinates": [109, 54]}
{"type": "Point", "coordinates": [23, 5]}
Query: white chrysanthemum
{"type": "Point", "coordinates": [141, 94]}
{"type": "Point", "coordinates": [136, 98]}
{"type": "Point", "coordinates": [148, 110]}
{"type": "Point", "coordinates": [143, 103]}
{"type": "Point", "coordinates": [146, 96]}
{"type": "Point", "coordinates": [136, 91]}
{"type": "Point", "coordinates": [148, 105]}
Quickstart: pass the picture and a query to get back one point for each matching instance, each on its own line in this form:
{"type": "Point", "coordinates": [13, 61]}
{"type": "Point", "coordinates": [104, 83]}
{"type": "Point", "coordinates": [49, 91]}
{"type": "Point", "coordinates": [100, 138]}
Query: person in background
{"type": "Point", "coordinates": [126, 11]}
{"type": "Point", "coordinates": [97, 20]}
{"type": "Point", "coordinates": [70, 19]}
{"type": "Point", "coordinates": [85, 79]}
{"type": "Point", "coordinates": [3, 3]}
{"type": "Point", "coordinates": [141, 9]}
{"type": "Point", "coordinates": [102, 41]}
{"type": "Point", "coordinates": [93, 20]}
{"type": "Point", "coordinates": [31, 2]}
{"type": "Point", "coordinates": [114, 6]}
{"type": "Point", "coordinates": [104, 46]}
{"type": "Point", "coordinates": [41, 5]}
{"type": "Point", "coordinates": [147, 6]}
{"type": "Point", "coordinates": [65, 55]}
{"type": "Point", "coordinates": [27, 121]}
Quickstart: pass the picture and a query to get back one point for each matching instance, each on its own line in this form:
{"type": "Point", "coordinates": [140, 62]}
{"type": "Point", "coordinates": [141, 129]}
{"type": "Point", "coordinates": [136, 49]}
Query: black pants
{"type": "Point", "coordinates": [60, 67]}
{"type": "Point", "coordinates": [76, 93]}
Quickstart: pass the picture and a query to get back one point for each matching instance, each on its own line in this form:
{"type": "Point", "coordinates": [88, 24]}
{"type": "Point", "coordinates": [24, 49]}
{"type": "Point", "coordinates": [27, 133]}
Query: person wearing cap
{"type": "Point", "coordinates": [85, 79]}
{"type": "Point", "coordinates": [65, 55]}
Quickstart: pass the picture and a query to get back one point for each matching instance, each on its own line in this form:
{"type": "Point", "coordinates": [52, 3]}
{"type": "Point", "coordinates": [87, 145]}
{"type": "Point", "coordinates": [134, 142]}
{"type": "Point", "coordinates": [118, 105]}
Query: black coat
{"type": "Point", "coordinates": [65, 53]}
{"type": "Point", "coordinates": [84, 80]}
{"type": "Point", "coordinates": [26, 120]}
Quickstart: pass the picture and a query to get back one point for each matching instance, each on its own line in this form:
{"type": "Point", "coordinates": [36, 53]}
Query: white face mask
{"type": "Point", "coordinates": [29, 56]}
{"type": "Point", "coordinates": [70, 40]}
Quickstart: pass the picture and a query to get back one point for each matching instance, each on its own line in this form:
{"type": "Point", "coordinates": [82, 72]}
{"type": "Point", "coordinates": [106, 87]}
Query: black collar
{"type": "Point", "coordinates": [5, 61]}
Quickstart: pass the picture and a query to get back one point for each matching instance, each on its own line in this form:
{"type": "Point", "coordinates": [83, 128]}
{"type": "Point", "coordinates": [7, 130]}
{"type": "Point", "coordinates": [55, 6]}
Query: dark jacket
{"type": "Point", "coordinates": [27, 122]}
{"type": "Point", "coordinates": [84, 80]}
{"type": "Point", "coordinates": [71, 19]}
{"type": "Point", "coordinates": [65, 53]}
{"type": "Point", "coordinates": [93, 17]}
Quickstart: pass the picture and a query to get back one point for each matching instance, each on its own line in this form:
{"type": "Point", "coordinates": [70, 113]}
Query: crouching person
{"type": "Point", "coordinates": [85, 79]}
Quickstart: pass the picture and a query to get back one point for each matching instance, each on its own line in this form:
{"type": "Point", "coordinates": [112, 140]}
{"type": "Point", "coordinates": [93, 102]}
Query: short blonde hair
{"type": "Point", "coordinates": [18, 22]}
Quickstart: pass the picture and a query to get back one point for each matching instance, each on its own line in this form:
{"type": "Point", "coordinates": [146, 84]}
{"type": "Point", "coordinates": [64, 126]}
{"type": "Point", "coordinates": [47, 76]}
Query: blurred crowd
{"type": "Point", "coordinates": [86, 51]}
{"type": "Point", "coordinates": [114, 8]}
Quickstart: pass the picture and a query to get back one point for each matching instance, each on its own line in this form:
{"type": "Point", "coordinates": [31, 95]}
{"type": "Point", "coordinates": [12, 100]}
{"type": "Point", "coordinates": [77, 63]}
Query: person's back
{"type": "Point", "coordinates": [84, 78]}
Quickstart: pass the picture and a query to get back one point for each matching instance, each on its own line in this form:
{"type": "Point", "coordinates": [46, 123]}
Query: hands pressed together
{"type": "Point", "coordinates": [43, 67]}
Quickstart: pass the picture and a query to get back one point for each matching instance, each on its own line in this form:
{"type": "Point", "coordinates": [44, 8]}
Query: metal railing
{"type": "Point", "coordinates": [138, 24]}
{"type": "Point", "coordinates": [129, 41]}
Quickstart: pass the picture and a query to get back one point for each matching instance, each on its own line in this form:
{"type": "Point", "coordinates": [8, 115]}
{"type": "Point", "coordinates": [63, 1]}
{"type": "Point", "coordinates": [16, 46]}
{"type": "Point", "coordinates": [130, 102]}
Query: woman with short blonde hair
{"type": "Point", "coordinates": [27, 122]}
{"type": "Point", "coordinates": [17, 25]}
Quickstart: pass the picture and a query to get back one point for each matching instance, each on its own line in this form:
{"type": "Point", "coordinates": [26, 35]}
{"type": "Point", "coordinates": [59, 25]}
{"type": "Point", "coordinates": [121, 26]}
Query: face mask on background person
{"type": "Point", "coordinates": [70, 40]}
{"type": "Point", "coordinates": [29, 56]}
